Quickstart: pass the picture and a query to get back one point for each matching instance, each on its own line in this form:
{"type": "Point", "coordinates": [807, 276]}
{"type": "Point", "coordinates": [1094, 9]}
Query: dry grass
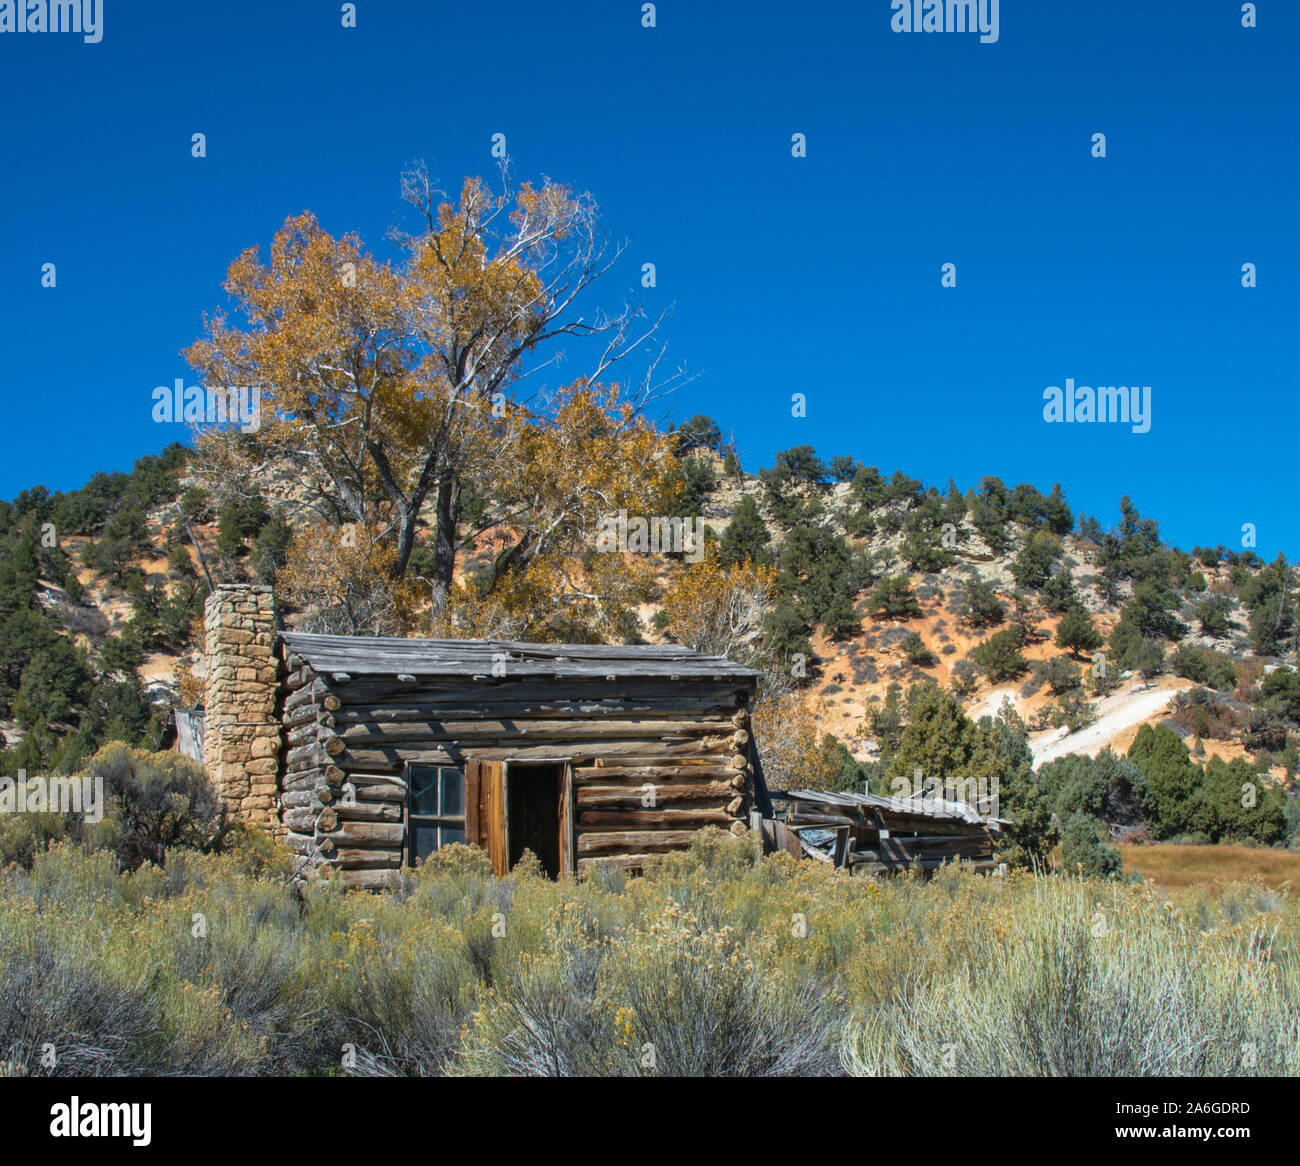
{"type": "Point", "coordinates": [1178, 867]}
{"type": "Point", "coordinates": [715, 964]}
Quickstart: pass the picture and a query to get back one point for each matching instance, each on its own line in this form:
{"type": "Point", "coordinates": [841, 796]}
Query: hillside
{"type": "Point", "coordinates": [880, 586]}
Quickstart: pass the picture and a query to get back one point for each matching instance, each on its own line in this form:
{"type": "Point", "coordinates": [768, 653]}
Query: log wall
{"type": "Point", "coordinates": [654, 760]}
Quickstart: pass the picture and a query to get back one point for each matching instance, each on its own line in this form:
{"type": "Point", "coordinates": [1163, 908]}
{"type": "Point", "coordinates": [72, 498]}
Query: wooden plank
{"type": "Point", "coordinates": [473, 800]}
{"type": "Point", "coordinates": [786, 839]}
{"type": "Point", "coordinates": [492, 814]}
{"type": "Point", "coordinates": [360, 653]}
{"type": "Point", "coordinates": [566, 813]}
{"type": "Point", "coordinates": [302, 642]}
{"type": "Point", "coordinates": [825, 820]}
{"type": "Point", "coordinates": [360, 662]}
{"type": "Point", "coordinates": [843, 844]}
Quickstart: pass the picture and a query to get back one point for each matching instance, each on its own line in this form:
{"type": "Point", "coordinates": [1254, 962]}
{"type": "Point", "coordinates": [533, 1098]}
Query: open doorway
{"type": "Point", "coordinates": [535, 814]}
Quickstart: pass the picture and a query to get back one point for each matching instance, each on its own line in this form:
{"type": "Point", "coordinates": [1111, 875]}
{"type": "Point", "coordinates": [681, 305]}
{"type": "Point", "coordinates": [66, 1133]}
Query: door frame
{"type": "Point", "coordinates": [487, 808]}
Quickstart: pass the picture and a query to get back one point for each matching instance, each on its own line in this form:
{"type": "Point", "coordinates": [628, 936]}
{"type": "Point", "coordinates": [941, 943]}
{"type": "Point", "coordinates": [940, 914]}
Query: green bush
{"type": "Point", "coordinates": [1085, 852]}
{"type": "Point", "coordinates": [915, 651]}
{"type": "Point", "coordinates": [158, 801]}
{"type": "Point", "coordinates": [894, 598]}
{"type": "Point", "coordinates": [1205, 667]}
{"type": "Point", "coordinates": [999, 656]}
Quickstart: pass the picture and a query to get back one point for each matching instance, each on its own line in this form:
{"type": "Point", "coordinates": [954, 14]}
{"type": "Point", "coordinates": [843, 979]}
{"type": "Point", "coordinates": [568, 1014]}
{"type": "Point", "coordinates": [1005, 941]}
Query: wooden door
{"type": "Point", "coordinates": [565, 817]}
{"type": "Point", "coordinates": [485, 810]}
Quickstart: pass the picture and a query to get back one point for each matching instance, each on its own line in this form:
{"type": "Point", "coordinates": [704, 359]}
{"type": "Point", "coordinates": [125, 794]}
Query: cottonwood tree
{"type": "Point", "coordinates": [720, 609]}
{"type": "Point", "coordinates": [390, 381]}
{"type": "Point", "coordinates": [573, 466]}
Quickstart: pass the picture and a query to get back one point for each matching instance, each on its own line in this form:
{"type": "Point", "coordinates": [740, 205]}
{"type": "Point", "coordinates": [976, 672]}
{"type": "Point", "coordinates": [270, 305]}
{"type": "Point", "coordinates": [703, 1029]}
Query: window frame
{"type": "Point", "coordinates": [436, 822]}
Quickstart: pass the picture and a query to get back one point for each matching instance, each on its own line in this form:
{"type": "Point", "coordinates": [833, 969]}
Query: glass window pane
{"type": "Point", "coordinates": [424, 840]}
{"type": "Point", "coordinates": [450, 834]}
{"type": "Point", "coordinates": [424, 789]}
{"type": "Point", "coordinates": [453, 793]}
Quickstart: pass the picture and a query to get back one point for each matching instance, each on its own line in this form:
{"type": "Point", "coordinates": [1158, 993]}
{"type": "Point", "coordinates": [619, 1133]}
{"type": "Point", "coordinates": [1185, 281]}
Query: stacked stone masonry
{"type": "Point", "coordinates": [242, 732]}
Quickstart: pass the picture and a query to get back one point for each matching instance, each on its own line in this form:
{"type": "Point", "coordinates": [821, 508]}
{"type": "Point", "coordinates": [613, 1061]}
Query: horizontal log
{"type": "Point", "coordinates": [301, 779]}
{"type": "Point", "coordinates": [632, 796]}
{"type": "Point", "coordinates": [299, 675]}
{"type": "Point", "coordinates": [308, 694]}
{"type": "Point", "coordinates": [300, 843]}
{"type": "Point", "coordinates": [295, 799]}
{"type": "Point", "coordinates": [373, 787]}
{"type": "Point", "coordinates": [634, 774]}
{"type": "Point", "coordinates": [391, 759]}
{"type": "Point", "coordinates": [397, 732]}
{"type": "Point", "coordinates": [469, 707]}
{"type": "Point", "coordinates": [307, 713]}
{"type": "Point", "coordinates": [861, 868]}
{"type": "Point", "coordinates": [633, 841]}
{"type": "Point", "coordinates": [365, 835]}
{"type": "Point", "coordinates": [615, 862]}
{"type": "Point", "coordinates": [640, 820]}
{"type": "Point", "coordinates": [301, 820]}
{"type": "Point", "coordinates": [368, 880]}
{"type": "Point", "coordinates": [367, 811]}
{"type": "Point", "coordinates": [303, 757]}
{"type": "Point", "coordinates": [304, 734]}
{"type": "Point", "coordinates": [385, 689]}
{"type": "Point", "coordinates": [368, 859]}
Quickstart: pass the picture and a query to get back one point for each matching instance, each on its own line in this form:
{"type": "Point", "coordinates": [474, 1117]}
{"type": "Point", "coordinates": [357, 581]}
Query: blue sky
{"type": "Point", "coordinates": [817, 275]}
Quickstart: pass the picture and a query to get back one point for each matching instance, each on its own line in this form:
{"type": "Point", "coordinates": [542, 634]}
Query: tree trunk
{"type": "Point", "coordinates": [444, 546]}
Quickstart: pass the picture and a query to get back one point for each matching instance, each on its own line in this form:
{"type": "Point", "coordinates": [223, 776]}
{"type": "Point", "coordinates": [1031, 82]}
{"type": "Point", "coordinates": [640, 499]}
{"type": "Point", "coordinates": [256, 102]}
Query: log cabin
{"type": "Point", "coordinates": [364, 754]}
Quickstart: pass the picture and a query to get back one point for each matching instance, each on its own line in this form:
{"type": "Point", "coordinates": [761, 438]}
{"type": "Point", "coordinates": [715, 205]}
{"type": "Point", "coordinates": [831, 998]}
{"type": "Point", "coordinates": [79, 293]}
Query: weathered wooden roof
{"type": "Point", "coordinates": [936, 808]}
{"type": "Point", "coordinates": [390, 656]}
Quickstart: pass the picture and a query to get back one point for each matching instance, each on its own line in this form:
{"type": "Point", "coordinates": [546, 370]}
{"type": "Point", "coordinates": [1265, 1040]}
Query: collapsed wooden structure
{"type": "Point", "coordinates": [872, 834]}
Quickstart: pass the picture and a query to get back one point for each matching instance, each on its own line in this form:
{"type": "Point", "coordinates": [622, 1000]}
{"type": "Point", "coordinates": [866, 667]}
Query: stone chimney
{"type": "Point", "coordinates": [241, 732]}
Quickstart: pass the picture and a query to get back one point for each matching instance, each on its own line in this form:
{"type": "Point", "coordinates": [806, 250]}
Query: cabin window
{"type": "Point", "coordinates": [435, 805]}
